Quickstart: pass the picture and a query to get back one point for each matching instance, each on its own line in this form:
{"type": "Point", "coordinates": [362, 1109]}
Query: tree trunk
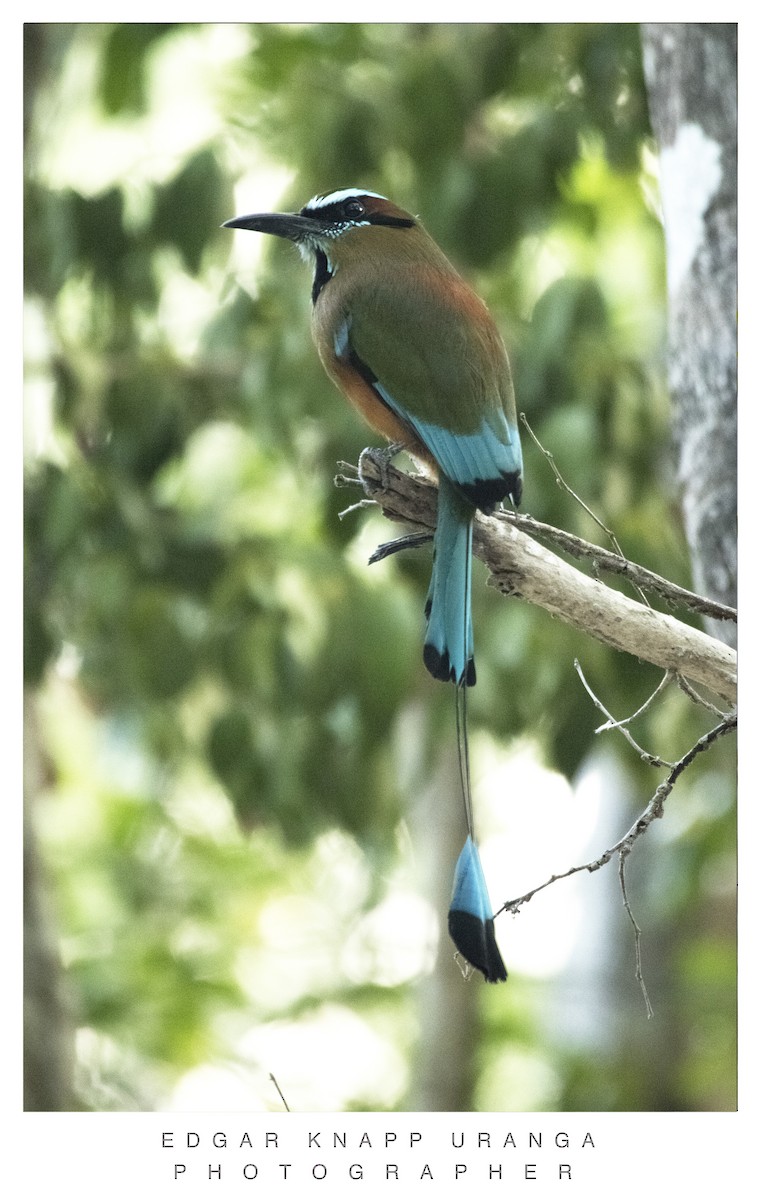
{"type": "Point", "coordinates": [691, 77]}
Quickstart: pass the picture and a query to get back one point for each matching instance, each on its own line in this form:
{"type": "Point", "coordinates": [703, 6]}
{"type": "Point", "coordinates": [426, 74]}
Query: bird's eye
{"type": "Point", "coordinates": [353, 209]}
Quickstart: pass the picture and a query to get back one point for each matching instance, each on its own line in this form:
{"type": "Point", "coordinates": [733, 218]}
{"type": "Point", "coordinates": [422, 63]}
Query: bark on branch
{"type": "Point", "coordinates": [521, 567]}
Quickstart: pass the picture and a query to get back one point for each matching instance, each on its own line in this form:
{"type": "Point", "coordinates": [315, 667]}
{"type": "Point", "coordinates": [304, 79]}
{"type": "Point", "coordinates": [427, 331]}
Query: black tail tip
{"type": "Point", "coordinates": [440, 665]}
{"type": "Point", "coordinates": [486, 494]}
{"type": "Point", "coordinates": [475, 940]}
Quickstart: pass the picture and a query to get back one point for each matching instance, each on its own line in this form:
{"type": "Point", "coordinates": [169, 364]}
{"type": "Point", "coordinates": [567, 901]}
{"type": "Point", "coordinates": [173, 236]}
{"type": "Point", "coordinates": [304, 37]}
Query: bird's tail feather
{"type": "Point", "coordinates": [448, 654]}
{"type": "Point", "coordinates": [470, 920]}
{"type": "Point", "coordinates": [448, 648]}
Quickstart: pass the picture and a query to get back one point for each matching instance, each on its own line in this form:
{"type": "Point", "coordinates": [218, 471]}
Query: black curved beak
{"type": "Point", "coordinates": [293, 226]}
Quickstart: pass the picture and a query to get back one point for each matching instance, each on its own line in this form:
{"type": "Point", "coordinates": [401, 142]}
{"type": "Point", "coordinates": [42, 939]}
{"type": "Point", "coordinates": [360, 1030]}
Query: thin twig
{"type": "Point", "coordinates": [625, 850]}
{"type": "Point", "coordinates": [360, 504]}
{"type": "Point", "coordinates": [686, 687]}
{"type": "Point", "coordinates": [276, 1085]}
{"type": "Point", "coordinates": [651, 759]}
{"type": "Point", "coordinates": [562, 483]}
{"type": "Point", "coordinates": [636, 934]}
{"type": "Point", "coordinates": [410, 541]}
{"type": "Point", "coordinates": [652, 812]}
{"type": "Point", "coordinates": [612, 724]}
{"type": "Point", "coordinates": [463, 966]}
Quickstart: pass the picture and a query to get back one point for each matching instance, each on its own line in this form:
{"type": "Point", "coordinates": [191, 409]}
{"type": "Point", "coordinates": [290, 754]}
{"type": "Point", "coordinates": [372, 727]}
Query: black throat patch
{"type": "Point", "coordinates": [322, 274]}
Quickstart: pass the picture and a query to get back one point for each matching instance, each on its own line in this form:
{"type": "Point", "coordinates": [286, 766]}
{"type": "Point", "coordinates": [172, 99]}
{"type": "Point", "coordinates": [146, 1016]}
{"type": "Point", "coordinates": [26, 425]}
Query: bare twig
{"type": "Point", "coordinates": [360, 504]}
{"type": "Point", "coordinates": [636, 934]}
{"type": "Point", "coordinates": [652, 812]}
{"type": "Point", "coordinates": [463, 966]}
{"type": "Point", "coordinates": [613, 724]}
{"type": "Point", "coordinates": [276, 1085]}
{"type": "Point", "coordinates": [645, 756]}
{"type": "Point", "coordinates": [686, 687]}
{"type": "Point", "coordinates": [562, 483]}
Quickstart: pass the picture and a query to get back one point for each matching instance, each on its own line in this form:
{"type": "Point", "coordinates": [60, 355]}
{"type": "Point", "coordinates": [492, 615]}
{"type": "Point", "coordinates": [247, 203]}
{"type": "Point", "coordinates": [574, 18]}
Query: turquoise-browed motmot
{"type": "Point", "coordinates": [417, 353]}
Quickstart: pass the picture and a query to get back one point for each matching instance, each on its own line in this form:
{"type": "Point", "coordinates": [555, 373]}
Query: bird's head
{"type": "Point", "coordinates": [325, 220]}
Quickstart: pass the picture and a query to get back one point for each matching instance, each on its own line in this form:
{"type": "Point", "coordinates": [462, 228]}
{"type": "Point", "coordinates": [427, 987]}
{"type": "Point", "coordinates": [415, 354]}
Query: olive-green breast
{"type": "Point", "coordinates": [417, 327]}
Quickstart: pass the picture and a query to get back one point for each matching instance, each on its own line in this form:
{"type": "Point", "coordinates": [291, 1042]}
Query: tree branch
{"type": "Point", "coordinates": [521, 567]}
{"type": "Point", "coordinates": [616, 564]}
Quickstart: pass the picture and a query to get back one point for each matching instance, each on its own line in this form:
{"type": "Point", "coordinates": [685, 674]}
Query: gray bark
{"type": "Point", "coordinates": [691, 77]}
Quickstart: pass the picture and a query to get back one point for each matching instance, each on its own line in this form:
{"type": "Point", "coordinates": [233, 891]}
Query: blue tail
{"type": "Point", "coordinates": [448, 654]}
{"type": "Point", "coordinates": [448, 649]}
{"type": "Point", "coordinates": [470, 922]}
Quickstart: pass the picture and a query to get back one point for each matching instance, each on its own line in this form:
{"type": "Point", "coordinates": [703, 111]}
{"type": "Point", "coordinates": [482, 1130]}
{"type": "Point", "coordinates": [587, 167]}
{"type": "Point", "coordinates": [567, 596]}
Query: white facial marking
{"type": "Point", "coordinates": [345, 194]}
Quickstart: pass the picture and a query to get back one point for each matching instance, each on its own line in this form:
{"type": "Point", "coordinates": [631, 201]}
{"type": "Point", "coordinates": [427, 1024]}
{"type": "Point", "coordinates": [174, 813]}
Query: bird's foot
{"type": "Point", "coordinates": [382, 457]}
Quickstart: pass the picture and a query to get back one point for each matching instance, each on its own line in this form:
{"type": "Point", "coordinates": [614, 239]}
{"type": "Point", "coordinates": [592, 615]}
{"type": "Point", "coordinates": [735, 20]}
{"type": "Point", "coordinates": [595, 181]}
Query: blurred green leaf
{"type": "Point", "coordinates": [122, 85]}
{"type": "Point", "coordinates": [190, 207]}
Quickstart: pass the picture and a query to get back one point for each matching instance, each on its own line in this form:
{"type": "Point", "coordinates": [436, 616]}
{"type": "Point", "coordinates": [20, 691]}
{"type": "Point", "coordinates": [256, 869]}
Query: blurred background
{"type": "Point", "coordinates": [242, 800]}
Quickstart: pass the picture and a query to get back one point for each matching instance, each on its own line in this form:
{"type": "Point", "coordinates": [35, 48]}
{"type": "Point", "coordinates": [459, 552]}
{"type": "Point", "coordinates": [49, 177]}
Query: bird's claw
{"type": "Point", "coordinates": [381, 456]}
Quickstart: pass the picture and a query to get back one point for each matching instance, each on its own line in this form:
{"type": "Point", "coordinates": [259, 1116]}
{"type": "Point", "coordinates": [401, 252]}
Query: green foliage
{"type": "Point", "coordinates": [121, 86]}
{"type": "Point", "coordinates": [183, 544]}
{"type": "Point", "coordinates": [188, 207]}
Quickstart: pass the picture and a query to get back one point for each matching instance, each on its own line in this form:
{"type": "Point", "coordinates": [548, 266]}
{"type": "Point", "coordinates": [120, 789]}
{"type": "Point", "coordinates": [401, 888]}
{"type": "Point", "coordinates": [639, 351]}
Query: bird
{"type": "Point", "coordinates": [417, 353]}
